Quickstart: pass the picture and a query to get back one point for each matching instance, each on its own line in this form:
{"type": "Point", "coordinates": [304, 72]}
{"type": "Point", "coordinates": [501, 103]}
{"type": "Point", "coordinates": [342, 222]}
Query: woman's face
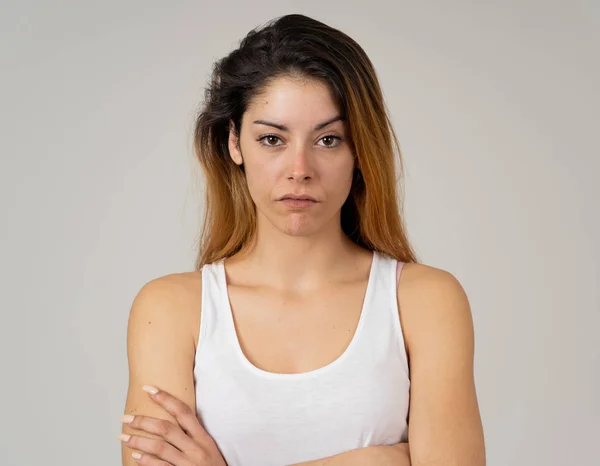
{"type": "Point", "coordinates": [292, 143]}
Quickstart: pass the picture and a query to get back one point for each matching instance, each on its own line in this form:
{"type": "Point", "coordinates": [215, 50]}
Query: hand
{"type": "Point", "coordinates": [183, 444]}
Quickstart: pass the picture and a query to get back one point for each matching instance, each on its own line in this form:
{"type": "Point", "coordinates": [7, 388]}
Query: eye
{"type": "Point", "coordinates": [330, 138]}
{"type": "Point", "coordinates": [268, 137]}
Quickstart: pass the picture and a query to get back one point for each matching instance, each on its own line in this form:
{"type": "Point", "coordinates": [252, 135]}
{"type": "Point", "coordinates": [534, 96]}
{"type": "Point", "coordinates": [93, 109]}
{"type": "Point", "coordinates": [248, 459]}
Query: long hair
{"type": "Point", "coordinates": [298, 46]}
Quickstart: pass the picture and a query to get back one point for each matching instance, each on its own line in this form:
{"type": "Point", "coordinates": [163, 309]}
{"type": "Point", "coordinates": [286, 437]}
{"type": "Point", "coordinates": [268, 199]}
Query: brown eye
{"type": "Point", "coordinates": [270, 138]}
{"type": "Point", "coordinates": [331, 139]}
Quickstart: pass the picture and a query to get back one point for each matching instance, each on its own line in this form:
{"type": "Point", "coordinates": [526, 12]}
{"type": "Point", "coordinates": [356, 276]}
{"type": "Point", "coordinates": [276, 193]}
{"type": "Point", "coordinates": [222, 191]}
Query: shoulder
{"type": "Point", "coordinates": [433, 306]}
{"type": "Point", "coordinates": [175, 286]}
{"type": "Point", "coordinates": [417, 277]}
{"type": "Point", "coordinates": [172, 302]}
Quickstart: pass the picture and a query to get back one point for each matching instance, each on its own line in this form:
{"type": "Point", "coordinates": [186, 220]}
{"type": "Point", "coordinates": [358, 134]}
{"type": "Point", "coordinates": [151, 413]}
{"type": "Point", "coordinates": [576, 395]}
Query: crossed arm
{"type": "Point", "coordinates": [445, 426]}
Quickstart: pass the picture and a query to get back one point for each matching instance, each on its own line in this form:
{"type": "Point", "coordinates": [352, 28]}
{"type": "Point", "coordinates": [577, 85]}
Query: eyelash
{"type": "Point", "coordinates": [339, 139]}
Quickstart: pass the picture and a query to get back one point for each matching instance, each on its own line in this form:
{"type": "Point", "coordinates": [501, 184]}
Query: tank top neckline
{"type": "Point", "coordinates": [231, 332]}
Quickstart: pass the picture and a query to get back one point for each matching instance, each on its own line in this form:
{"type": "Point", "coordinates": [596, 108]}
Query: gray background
{"type": "Point", "coordinates": [495, 105]}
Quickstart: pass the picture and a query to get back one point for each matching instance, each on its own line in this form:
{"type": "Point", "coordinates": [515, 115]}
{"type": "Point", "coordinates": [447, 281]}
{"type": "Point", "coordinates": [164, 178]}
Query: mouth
{"type": "Point", "coordinates": [297, 197]}
{"type": "Point", "coordinates": [301, 202]}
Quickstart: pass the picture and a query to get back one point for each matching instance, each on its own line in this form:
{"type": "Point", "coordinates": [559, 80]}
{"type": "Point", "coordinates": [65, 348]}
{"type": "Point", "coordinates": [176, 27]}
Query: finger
{"type": "Point", "coordinates": [158, 448]}
{"type": "Point", "coordinates": [167, 430]}
{"type": "Point", "coordinates": [183, 413]}
{"type": "Point", "coordinates": [148, 460]}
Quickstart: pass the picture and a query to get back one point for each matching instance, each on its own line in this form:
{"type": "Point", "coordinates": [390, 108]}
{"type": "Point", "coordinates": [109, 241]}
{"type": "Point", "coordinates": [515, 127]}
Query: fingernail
{"type": "Point", "coordinates": [150, 389]}
{"type": "Point", "coordinates": [127, 418]}
{"type": "Point", "coordinates": [124, 437]}
{"type": "Point", "coordinates": [136, 455]}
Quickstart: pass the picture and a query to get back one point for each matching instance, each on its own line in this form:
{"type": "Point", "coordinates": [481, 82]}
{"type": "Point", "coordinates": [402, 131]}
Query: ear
{"type": "Point", "coordinates": [234, 145]}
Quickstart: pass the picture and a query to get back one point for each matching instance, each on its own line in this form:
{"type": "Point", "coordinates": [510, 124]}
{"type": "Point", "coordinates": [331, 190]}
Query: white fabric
{"type": "Point", "coordinates": [263, 418]}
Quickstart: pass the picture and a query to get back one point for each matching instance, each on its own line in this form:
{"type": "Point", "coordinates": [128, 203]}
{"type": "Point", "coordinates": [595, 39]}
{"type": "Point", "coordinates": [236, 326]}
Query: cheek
{"type": "Point", "coordinates": [260, 178]}
{"type": "Point", "coordinates": [339, 180]}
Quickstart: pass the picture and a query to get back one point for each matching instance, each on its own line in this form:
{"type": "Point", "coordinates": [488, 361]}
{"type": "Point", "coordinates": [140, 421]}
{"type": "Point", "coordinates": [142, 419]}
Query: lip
{"type": "Point", "coordinates": [301, 197]}
{"type": "Point", "coordinates": [298, 203]}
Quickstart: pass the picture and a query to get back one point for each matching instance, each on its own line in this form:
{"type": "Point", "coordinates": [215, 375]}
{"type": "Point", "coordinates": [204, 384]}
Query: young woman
{"type": "Point", "coordinates": [308, 330]}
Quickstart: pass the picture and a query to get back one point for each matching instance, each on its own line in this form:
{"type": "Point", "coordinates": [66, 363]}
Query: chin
{"type": "Point", "coordinates": [300, 226]}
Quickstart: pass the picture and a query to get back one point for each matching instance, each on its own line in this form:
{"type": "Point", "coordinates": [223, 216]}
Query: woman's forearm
{"type": "Point", "coordinates": [384, 455]}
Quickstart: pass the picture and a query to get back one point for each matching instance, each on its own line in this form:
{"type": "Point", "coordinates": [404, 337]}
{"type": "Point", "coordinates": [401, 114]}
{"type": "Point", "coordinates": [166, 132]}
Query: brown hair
{"type": "Point", "coordinates": [298, 46]}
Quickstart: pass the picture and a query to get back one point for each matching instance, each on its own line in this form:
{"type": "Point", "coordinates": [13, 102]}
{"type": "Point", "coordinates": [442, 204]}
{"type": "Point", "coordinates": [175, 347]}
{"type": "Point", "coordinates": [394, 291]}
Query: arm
{"type": "Point", "coordinates": [445, 425]}
{"type": "Point", "coordinates": [381, 455]}
{"type": "Point", "coordinates": [160, 350]}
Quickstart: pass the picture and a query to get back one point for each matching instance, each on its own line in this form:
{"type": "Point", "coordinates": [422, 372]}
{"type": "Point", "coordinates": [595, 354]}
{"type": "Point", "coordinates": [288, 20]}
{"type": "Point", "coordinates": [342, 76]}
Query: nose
{"type": "Point", "coordinates": [301, 164]}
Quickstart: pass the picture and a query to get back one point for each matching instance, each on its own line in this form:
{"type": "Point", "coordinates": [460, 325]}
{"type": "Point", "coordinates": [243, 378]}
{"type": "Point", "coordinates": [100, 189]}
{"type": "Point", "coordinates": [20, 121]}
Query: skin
{"type": "Point", "coordinates": [301, 259]}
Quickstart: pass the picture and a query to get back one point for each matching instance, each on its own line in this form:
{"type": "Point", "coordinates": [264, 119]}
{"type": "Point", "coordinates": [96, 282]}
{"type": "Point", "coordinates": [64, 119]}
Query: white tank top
{"type": "Point", "coordinates": [263, 418]}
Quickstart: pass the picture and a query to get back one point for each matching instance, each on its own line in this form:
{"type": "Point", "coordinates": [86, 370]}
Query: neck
{"type": "Point", "coordinates": [297, 263]}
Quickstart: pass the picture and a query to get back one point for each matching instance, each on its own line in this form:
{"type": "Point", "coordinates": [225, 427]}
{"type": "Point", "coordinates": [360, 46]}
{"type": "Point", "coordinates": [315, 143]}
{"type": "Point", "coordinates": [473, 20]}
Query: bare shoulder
{"type": "Point", "coordinates": [417, 276]}
{"type": "Point", "coordinates": [173, 300]}
{"type": "Point", "coordinates": [431, 301]}
{"type": "Point", "coordinates": [179, 286]}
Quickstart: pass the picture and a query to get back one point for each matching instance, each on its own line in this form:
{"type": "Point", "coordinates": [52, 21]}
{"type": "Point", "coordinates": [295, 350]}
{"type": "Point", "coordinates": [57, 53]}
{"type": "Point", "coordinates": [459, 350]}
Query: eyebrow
{"type": "Point", "coordinates": [316, 127]}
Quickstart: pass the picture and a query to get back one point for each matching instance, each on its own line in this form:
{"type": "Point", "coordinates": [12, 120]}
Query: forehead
{"type": "Point", "coordinates": [294, 102]}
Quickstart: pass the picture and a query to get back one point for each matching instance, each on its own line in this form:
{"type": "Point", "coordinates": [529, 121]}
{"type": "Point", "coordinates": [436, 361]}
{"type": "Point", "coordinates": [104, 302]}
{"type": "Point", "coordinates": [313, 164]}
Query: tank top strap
{"type": "Point", "coordinates": [388, 271]}
{"type": "Point", "coordinates": [214, 323]}
{"type": "Point", "coordinates": [384, 329]}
